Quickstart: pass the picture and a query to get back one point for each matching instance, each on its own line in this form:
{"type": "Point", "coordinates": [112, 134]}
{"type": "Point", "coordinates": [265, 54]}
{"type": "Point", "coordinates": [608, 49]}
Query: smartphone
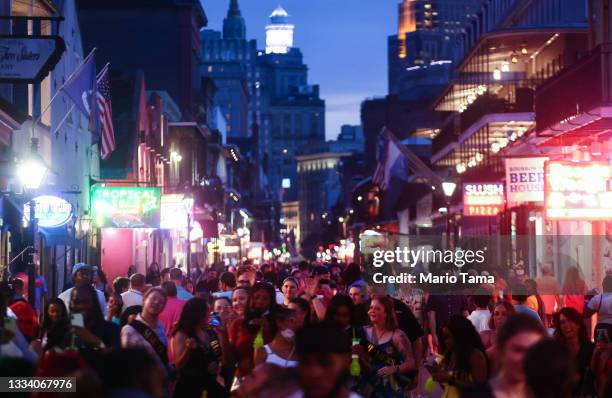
{"type": "Point", "coordinates": [214, 319]}
{"type": "Point", "coordinates": [77, 320]}
{"type": "Point", "coordinates": [602, 335]}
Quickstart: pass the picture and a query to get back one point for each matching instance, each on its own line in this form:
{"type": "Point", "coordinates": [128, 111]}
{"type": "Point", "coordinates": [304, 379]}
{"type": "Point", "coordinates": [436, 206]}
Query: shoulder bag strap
{"type": "Point", "coordinates": [151, 337]}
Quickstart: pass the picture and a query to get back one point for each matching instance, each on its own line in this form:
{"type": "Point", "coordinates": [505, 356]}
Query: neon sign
{"type": "Point", "coordinates": [125, 207]}
{"type": "Point", "coordinates": [578, 191]}
{"type": "Point", "coordinates": [483, 199]}
{"type": "Point", "coordinates": [50, 211]}
{"type": "Point", "coordinates": [173, 212]}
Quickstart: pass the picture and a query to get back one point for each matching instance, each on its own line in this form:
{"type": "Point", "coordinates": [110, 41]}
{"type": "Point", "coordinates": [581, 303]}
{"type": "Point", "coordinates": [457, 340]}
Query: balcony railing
{"type": "Point", "coordinates": [486, 105]}
{"type": "Point", "coordinates": [578, 89]}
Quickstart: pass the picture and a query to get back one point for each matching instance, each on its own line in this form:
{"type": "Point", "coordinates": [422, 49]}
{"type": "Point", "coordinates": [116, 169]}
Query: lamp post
{"type": "Point", "coordinates": [188, 202]}
{"type": "Point", "coordinates": [84, 227]}
{"type": "Point", "coordinates": [31, 172]}
{"type": "Point", "coordinates": [448, 188]}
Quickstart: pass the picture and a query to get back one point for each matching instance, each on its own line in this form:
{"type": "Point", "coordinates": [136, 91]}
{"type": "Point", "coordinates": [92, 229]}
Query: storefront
{"type": "Point", "coordinates": [129, 221]}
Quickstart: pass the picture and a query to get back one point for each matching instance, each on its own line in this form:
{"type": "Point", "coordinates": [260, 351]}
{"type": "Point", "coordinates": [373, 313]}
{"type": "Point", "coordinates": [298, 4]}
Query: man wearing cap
{"type": "Point", "coordinates": [82, 274]}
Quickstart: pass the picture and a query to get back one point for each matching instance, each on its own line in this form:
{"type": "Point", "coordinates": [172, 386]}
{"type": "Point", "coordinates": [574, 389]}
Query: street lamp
{"type": "Point", "coordinates": [188, 202]}
{"type": "Point", "coordinates": [448, 188]}
{"type": "Point", "coordinates": [31, 172]}
{"type": "Point", "coordinates": [84, 225]}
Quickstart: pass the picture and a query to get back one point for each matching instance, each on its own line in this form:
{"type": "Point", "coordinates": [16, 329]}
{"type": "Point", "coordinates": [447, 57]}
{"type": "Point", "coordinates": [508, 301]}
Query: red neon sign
{"type": "Point", "coordinates": [483, 199]}
{"type": "Point", "coordinates": [577, 191]}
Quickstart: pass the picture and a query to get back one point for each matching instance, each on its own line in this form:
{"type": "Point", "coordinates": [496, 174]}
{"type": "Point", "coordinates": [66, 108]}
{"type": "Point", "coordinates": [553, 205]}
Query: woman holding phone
{"type": "Point", "coordinates": [197, 352]}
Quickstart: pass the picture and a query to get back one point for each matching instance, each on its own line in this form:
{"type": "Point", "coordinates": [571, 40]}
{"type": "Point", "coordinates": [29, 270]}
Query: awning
{"type": "Point", "coordinates": [58, 237]}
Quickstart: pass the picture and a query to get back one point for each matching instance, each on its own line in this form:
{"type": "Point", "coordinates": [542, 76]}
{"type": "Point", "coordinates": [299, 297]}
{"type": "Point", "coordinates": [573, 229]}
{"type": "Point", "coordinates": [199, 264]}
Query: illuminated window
{"type": "Point", "coordinates": [286, 183]}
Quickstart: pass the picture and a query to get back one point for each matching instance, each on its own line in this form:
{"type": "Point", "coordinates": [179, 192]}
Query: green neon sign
{"type": "Point", "coordinates": [125, 207]}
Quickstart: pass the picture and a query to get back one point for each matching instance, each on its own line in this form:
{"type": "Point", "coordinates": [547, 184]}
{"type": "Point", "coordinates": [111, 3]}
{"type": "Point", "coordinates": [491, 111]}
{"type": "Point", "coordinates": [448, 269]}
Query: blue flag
{"type": "Point", "coordinates": [81, 88]}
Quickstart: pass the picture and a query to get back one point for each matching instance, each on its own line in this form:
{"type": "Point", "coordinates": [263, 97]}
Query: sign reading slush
{"type": "Point", "coordinates": [483, 199]}
{"type": "Point", "coordinates": [125, 207]}
{"type": "Point", "coordinates": [578, 191]}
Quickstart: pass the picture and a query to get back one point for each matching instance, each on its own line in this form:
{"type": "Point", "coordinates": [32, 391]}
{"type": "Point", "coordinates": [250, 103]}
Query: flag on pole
{"type": "Point", "coordinates": [391, 163]}
{"type": "Point", "coordinates": [81, 89]}
{"type": "Point", "coordinates": [105, 112]}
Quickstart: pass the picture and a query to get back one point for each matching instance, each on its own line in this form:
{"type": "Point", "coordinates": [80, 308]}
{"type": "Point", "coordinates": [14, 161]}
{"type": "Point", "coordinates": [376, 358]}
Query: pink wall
{"type": "Point", "coordinates": [116, 252]}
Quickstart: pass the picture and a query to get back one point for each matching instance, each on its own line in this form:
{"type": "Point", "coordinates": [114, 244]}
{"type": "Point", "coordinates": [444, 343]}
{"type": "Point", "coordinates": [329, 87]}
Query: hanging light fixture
{"type": "Point", "coordinates": [514, 57]}
{"type": "Point", "coordinates": [524, 48]}
{"type": "Point", "coordinates": [497, 74]}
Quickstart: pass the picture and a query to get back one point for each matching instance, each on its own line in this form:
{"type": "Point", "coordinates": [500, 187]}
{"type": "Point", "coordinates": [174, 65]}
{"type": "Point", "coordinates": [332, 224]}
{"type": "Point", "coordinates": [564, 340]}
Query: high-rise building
{"type": "Point", "coordinates": [279, 33]}
{"type": "Point", "coordinates": [229, 60]}
{"type": "Point", "coordinates": [423, 50]}
{"type": "Point", "coordinates": [289, 111]}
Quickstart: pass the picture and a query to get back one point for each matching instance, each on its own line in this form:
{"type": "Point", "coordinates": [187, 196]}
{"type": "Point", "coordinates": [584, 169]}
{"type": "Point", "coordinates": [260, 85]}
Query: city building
{"type": "Point", "coordinates": [350, 139]}
{"type": "Point", "coordinates": [228, 59]}
{"type": "Point", "coordinates": [512, 89]}
{"type": "Point", "coordinates": [320, 189]}
{"type": "Point", "coordinates": [123, 33]}
{"type": "Point", "coordinates": [424, 49]}
{"type": "Point", "coordinates": [291, 114]}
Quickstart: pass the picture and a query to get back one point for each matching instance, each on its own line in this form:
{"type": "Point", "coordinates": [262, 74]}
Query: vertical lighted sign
{"type": "Point", "coordinates": [483, 199]}
{"type": "Point", "coordinates": [578, 191]}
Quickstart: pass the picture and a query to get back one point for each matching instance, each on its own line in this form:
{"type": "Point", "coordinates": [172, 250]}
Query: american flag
{"type": "Point", "coordinates": [105, 112]}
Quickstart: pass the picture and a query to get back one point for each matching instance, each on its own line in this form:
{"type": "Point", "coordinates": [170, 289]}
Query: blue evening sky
{"type": "Point", "coordinates": [344, 43]}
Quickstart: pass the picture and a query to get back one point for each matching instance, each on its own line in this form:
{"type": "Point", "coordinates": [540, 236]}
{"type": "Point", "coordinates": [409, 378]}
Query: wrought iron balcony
{"type": "Point", "coordinates": [578, 90]}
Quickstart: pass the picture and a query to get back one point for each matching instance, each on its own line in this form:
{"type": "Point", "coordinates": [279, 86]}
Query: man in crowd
{"type": "Point", "coordinates": [172, 310]}
{"type": "Point", "coordinates": [245, 277]}
{"type": "Point", "coordinates": [121, 284]}
{"type": "Point", "coordinates": [176, 276]}
{"type": "Point", "coordinates": [549, 290]}
{"type": "Point", "coordinates": [227, 283]}
{"type": "Point", "coordinates": [324, 356]}
{"type": "Point", "coordinates": [27, 320]}
{"type": "Point", "coordinates": [358, 294]}
{"type": "Point", "coordinates": [519, 297]}
{"type": "Point", "coordinates": [82, 274]}
{"type": "Point", "coordinates": [134, 294]}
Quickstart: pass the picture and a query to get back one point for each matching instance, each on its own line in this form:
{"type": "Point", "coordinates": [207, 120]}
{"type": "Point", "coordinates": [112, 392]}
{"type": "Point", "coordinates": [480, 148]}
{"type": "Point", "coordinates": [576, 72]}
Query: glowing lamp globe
{"type": "Point", "coordinates": [31, 172]}
{"type": "Point", "coordinates": [448, 188]}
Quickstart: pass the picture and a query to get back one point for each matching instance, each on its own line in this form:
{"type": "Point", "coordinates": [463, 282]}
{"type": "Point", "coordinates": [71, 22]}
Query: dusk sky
{"type": "Point", "coordinates": [344, 43]}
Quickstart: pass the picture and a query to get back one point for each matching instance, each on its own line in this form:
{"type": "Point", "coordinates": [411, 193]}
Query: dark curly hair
{"type": "Point", "coordinates": [466, 340]}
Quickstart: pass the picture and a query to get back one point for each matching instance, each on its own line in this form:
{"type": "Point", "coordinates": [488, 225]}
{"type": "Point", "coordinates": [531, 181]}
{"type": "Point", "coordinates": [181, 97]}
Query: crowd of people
{"type": "Point", "coordinates": [308, 330]}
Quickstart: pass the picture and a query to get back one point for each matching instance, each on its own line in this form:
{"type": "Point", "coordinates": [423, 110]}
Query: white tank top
{"type": "Point", "coordinates": [276, 360]}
